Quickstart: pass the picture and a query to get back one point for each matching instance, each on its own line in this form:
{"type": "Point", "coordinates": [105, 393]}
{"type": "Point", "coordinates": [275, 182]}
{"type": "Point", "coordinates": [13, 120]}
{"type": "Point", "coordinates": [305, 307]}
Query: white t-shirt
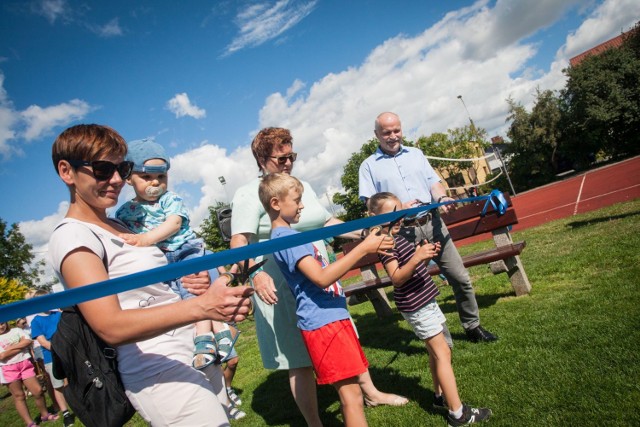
{"type": "Point", "coordinates": [13, 337]}
{"type": "Point", "coordinates": [142, 359]}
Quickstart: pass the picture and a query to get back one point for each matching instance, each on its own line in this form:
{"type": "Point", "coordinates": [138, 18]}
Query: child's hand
{"type": "Point", "coordinates": [378, 242]}
{"type": "Point", "coordinates": [427, 251]}
{"type": "Point", "coordinates": [134, 239]}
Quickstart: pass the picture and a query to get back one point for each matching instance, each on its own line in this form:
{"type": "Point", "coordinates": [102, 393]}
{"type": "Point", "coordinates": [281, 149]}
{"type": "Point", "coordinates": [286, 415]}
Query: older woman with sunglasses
{"type": "Point", "coordinates": [151, 327]}
{"type": "Point", "coordinates": [279, 339]}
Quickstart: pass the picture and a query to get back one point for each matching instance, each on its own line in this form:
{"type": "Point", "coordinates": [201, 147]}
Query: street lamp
{"type": "Point", "coordinates": [473, 126]}
{"type": "Point", "coordinates": [474, 134]}
{"type": "Point", "coordinates": [224, 182]}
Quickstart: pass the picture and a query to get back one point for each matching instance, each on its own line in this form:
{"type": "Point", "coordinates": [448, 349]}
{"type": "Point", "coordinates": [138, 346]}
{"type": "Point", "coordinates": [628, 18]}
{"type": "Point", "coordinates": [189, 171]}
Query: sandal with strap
{"type": "Point", "coordinates": [226, 341]}
{"type": "Point", "coordinates": [49, 417]}
{"type": "Point", "coordinates": [206, 352]}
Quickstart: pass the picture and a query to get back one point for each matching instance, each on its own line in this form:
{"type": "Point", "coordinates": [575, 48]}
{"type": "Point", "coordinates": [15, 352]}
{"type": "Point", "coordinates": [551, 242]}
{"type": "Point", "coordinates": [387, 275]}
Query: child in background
{"type": "Point", "coordinates": [17, 370]}
{"type": "Point", "coordinates": [158, 217]}
{"type": "Point", "coordinates": [414, 294]}
{"type": "Point", "coordinates": [43, 326]}
{"type": "Point", "coordinates": [321, 306]}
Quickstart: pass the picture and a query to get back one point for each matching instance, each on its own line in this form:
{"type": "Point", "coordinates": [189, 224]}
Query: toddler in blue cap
{"type": "Point", "coordinates": [158, 217]}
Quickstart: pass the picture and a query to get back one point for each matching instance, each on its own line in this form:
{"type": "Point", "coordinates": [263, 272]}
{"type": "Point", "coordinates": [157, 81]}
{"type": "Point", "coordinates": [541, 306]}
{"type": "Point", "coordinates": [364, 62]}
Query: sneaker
{"type": "Point", "coordinates": [469, 416]}
{"type": "Point", "coordinates": [480, 334]}
{"type": "Point", "coordinates": [67, 419]}
{"type": "Point", "coordinates": [235, 413]}
{"type": "Point", "coordinates": [439, 402]}
{"type": "Point", "coordinates": [233, 397]}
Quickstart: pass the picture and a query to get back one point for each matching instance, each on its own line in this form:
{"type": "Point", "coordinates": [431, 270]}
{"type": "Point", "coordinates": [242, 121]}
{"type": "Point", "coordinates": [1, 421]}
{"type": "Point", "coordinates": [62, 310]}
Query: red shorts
{"type": "Point", "coordinates": [18, 371]}
{"type": "Point", "coordinates": [335, 352]}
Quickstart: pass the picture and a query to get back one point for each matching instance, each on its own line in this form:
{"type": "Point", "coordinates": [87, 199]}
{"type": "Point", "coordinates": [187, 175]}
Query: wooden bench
{"type": "Point", "coordinates": [466, 221]}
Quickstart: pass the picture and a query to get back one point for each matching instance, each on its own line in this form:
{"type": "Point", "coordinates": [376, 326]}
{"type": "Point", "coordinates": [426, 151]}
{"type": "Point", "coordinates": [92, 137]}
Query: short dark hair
{"type": "Point", "coordinates": [87, 143]}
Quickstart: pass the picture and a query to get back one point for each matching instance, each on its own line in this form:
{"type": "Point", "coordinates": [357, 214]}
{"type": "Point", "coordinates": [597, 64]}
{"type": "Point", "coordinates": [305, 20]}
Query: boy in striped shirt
{"type": "Point", "coordinates": [414, 293]}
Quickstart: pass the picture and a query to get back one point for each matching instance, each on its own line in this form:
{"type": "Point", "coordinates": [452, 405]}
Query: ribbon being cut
{"type": "Point", "coordinates": [74, 296]}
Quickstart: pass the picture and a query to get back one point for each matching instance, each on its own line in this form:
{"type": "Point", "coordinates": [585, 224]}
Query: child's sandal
{"type": "Point", "coordinates": [226, 342]}
{"type": "Point", "coordinates": [206, 352]}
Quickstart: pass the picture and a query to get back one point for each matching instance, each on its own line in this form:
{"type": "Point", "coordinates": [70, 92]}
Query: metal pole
{"type": "Point", "coordinates": [474, 132]}
{"type": "Point", "coordinates": [496, 149]}
{"type": "Point", "coordinates": [224, 187]}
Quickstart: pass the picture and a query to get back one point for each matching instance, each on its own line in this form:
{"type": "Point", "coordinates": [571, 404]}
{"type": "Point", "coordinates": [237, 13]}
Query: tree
{"type": "Point", "coordinates": [466, 142]}
{"type": "Point", "coordinates": [535, 137]}
{"type": "Point", "coordinates": [210, 232]}
{"type": "Point", "coordinates": [16, 257]}
{"type": "Point", "coordinates": [11, 290]}
{"type": "Point", "coordinates": [350, 201]}
{"type": "Point", "coordinates": [602, 103]}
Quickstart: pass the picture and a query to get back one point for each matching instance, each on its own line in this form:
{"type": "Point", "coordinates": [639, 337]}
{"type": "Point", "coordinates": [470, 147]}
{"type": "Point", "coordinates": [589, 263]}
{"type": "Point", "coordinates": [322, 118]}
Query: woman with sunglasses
{"type": "Point", "coordinates": [151, 327]}
{"type": "Point", "coordinates": [279, 339]}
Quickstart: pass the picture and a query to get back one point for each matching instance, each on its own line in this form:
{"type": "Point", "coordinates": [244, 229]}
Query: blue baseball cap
{"type": "Point", "coordinates": [141, 150]}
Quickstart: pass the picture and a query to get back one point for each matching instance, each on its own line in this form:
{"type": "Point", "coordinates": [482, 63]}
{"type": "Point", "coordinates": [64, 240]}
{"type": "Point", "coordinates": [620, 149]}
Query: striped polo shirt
{"type": "Point", "coordinates": [416, 292]}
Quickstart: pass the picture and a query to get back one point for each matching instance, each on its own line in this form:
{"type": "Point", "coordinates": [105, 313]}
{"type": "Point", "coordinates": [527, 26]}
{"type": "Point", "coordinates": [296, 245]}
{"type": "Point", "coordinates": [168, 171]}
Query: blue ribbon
{"type": "Point", "coordinates": [170, 271]}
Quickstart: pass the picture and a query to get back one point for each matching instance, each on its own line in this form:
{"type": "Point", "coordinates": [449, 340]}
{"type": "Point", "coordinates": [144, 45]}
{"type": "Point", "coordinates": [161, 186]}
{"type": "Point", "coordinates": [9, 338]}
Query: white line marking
{"type": "Point", "coordinates": [585, 200]}
{"type": "Point", "coordinates": [575, 211]}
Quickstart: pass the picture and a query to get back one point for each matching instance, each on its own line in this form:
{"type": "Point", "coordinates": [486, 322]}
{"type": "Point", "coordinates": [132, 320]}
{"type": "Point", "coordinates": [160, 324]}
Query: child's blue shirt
{"type": "Point", "coordinates": [315, 307]}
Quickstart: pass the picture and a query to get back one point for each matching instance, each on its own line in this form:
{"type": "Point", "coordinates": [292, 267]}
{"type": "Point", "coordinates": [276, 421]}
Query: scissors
{"type": "Point", "coordinates": [242, 277]}
{"type": "Point", "coordinates": [376, 229]}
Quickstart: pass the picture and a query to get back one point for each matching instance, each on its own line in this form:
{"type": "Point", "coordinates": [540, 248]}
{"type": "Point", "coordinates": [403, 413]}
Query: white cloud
{"type": "Point", "coordinates": [608, 20]}
{"type": "Point", "coordinates": [41, 121]}
{"type": "Point", "coordinates": [8, 119]}
{"type": "Point", "coordinates": [262, 22]}
{"type": "Point", "coordinates": [180, 105]}
{"type": "Point", "coordinates": [34, 122]}
{"type": "Point", "coordinates": [52, 10]}
{"type": "Point", "coordinates": [483, 53]}
{"type": "Point", "coordinates": [110, 29]}
{"type": "Point", "coordinates": [37, 234]}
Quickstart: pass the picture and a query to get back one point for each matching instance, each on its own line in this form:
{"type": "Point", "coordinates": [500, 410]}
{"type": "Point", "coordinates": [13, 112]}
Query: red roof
{"type": "Point", "coordinates": [609, 44]}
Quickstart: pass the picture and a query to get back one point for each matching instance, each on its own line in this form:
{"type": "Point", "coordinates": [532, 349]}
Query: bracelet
{"type": "Point", "coordinates": [255, 273]}
{"type": "Point", "coordinates": [440, 198]}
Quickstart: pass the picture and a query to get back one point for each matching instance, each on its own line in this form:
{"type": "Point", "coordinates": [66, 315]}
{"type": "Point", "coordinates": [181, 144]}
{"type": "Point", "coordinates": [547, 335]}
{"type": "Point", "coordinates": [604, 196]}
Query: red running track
{"type": "Point", "coordinates": [591, 190]}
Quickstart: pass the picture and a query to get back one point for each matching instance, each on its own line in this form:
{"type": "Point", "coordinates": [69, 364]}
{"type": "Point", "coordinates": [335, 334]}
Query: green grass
{"type": "Point", "coordinates": [568, 354]}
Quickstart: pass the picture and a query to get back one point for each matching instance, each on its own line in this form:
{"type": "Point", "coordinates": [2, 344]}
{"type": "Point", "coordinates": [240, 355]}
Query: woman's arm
{"type": "Point", "coordinates": [117, 326]}
{"type": "Point", "coordinates": [262, 282]}
{"type": "Point", "coordinates": [325, 277]}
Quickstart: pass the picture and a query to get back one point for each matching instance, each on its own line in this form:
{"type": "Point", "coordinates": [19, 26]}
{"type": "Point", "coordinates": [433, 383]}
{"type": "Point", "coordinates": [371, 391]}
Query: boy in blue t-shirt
{"type": "Point", "coordinates": [321, 306]}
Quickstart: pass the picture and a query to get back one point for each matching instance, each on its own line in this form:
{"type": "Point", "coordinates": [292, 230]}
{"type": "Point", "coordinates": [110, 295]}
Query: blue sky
{"type": "Point", "coordinates": [203, 77]}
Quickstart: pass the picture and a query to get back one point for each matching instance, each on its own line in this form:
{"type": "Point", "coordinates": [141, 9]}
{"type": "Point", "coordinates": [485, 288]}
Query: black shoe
{"type": "Point", "coordinates": [469, 416]}
{"type": "Point", "coordinates": [439, 402]}
{"type": "Point", "coordinates": [480, 334]}
{"type": "Point", "coordinates": [68, 419]}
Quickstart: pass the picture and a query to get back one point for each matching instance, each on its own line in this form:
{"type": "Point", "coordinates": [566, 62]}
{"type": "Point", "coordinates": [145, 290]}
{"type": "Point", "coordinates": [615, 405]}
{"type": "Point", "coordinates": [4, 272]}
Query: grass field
{"type": "Point", "coordinates": [568, 354]}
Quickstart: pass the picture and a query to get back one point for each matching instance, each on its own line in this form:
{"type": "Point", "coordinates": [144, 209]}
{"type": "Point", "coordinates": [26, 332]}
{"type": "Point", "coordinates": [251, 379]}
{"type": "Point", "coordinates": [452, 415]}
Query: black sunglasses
{"type": "Point", "coordinates": [103, 170]}
{"type": "Point", "coordinates": [283, 159]}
